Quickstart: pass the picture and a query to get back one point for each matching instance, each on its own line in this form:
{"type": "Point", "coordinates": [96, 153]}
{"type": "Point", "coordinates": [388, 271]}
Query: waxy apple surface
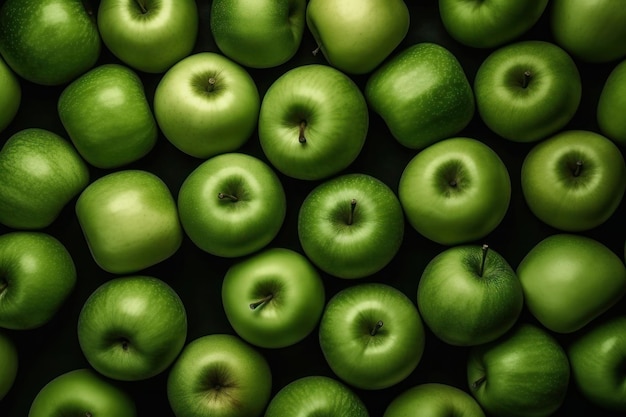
{"type": "Point", "coordinates": [612, 105]}
{"type": "Point", "coordinates": [9, 360]}
{"type": "Point", "coordinates": [10, 94]}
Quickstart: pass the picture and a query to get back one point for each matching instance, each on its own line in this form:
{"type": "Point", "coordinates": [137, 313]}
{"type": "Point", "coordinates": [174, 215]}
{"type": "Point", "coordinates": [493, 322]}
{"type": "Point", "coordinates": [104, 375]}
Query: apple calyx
{"type": "Point", "coordinates": [485, 249]}
{"type": "Point", "coordinates": [376, 328]}
{"type": "Point", "coordinates": [526, 78]}
{"type": "Point", "coordinates": [262, 301]}
{"type": "Point", "coordinates": [476, 384]}
{"type": "Point", "coordinates": [351, 214]}
{"type": "Point", "coordinates": [125, 343]}
{"type": "Point", "coordinates": [230, 197]}
{"type": "Point", "coordinates": [301, 137]}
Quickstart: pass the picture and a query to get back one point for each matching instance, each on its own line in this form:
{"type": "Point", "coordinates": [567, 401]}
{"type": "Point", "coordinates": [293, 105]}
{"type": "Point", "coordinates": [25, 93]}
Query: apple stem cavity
{"type": "Point", "coordinates": [262, 301]}
{"type": "Point", "coordinates": [476, 384]}
{"type": "Point", "coordinates": [125, 343]}
{"type": "Point", "coordinates": [301, 137]}
{"type": "Point", "coordinates": [578, 167]}
{"type": "Point", "coordinates": [351, 214]}
{"type": "Point", "coordinates": [526, 79]}
{"type": "Point", "coordinates": [484, 249]}
{"type": "Point", "coordinates": [230, 197]}
{"type": "Point", "coordinates": [376, 328]}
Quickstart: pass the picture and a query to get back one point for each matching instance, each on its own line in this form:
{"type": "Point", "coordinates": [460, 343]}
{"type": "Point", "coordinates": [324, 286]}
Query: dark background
{"type": "Point", "coordinates": [53, 349]}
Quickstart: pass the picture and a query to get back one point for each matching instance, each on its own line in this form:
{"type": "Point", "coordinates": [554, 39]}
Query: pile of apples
{"type": "Point", "coordinates": [246, 208]}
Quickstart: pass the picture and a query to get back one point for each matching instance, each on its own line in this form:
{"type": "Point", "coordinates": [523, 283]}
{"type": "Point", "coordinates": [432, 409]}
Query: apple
{"type": "Point", "coordinates": [132, 328]}
{"type": "Point", "coordinates": [527, 90]}
{"type": "Point", "coordinates": [206, 104]}
{"type": "Point", "coordinates": [37, 275]}
{"type": "Point", "coordinates": [48, 42]}
{"type": "Point", "coordinates": [10, 95]}
{"type": "Point", "coordinates": [108, 117]}
{"type": "Point", "coordinates": [434, 400]}
{"type": "Point", "coordinates": [40, 173]}
{"type": "Point", "coordinates": [343, 221]}
{"type": "Point", "coordinates": [232, 205]}
{"type": "Point", "coordinates": [219, 375]}
{"type": "Point", "coordinates": [435, 104]}
{"type": "Point", "coordinates": [149, 35]}
{"type": "Point", "coordinates": [469, 295]}
{"type": "Point", "coordinates": [356, 36]}
{"type": "Point", "coordinates": [303, 114]}
{"type": "Point", "coordinates": [371, 335]}
{"type": "Point", "coordinates": [612, 105]}
{"type": "Point", "coordinates": [588, 277]}
{"type": "Point", "coordinates": [525, 373]}
{"type": "Point", "coordinates": [9, 359]}
{"type": "Point", "coordinates": [574, 180]}
{"type": "Point", "coordinates": [490, 23]}
{"type": "Point", "coordinates": [82, 392]}
{"type": "Point", "coordinates": [455, 191]}
{"type": "Point", "coordinates": [274, 298]}
{"type": "Point", "coordinates": [316, 395]}
{"type": "Point", "coordinates": [258, 33]}
{"type": "Point", "coordinates": [129, 220]}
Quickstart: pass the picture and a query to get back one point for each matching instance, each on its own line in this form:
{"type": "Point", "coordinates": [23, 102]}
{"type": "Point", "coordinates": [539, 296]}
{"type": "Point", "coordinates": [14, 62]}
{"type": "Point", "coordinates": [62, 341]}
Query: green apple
{"type": "Point", "coordinates": [9, 359]}
{"type": "Point", "coordinates": [132, 328]}
{"type": "Point", "coordinates": [108, 117]}
{"type": "Point", "coordinates": [232, 205]}
{"type": "Point", "coordinates": [612, 105]}
{"type": "Point", "coordinates": [356, 36]}
{"type": "Point", "coordinates": [371, 335]}
{"type": "Point", "coordinates": [37, 275]}
{"type": "Point", "coordinates": [207, 104]}
{"type": "Point", "coordinates": [302, 114]}
{"type": "Point", "coordinates": [316, 395]}
{"type": "Point", "coordinates": [489, 23]}
{"type": "Point", "coordinates": [82, 392]}
{"type": "Point", "coordinates": [48, 42]}
{"type": "Point", "coordinates": [433, 400]}
{"type": "Point", "coordinates": [258, 33]}
{"type": "Point", "coordinates": [422, 94]}
{"type": "Point", "coordinates": [129, 220]}
{"type": "Point", "coordinates": [342, 222]}
{"type": "Point", "coordinates": [588, 277]}
{"type": "Point", "coordinates": [574, 180]}
{"type": "Point", "coordinates": [149, 35]}
{"type": "Point", "coordinates": [591, 30]}
{"type": "Point", "coordinates": [468, 295]}
{"type": "Point", "coordinates": [219, 375]}
{"type": "Point", "coordinates": [455, 191]}
{"type": "Point", "coordinates": [10, 95]}
{"type": "Point", "coordinates": [40, 173]}
{"type": "Point", "coordinates": [525, 373]}
{"type": "Point", "coordinates": [527, 90]}
{"type": "Point", "coordinates": [274, 298]}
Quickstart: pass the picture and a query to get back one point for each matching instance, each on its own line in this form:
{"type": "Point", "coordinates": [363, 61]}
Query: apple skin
{"type": "Point", "coordinates": [356, 36]}
{"type": "Point", "coordinates": [436, 104]}
{"type": "Point", "coordinates": [455, 191]}
{"type": "Point", "coordinates": [48, 42]}
{"type": "Point", "coordinates": [258, 33]}
{"type": "Point", "coordinates": [129, 220]}
{"type": "Point", "coordinates": [107, 116]}
{"type": "Point", "coordinates": [40, 173]}
{"type": "Point", "coordinates": [9, 363]}
{"type": "Point", "coordinates": [344, 239]}
{"type": "Point", "coordinates": [10, 95]}
{"type": "Point", "coordinates": [612, 105]}
{"type": "Point", "coordinates": [221, 368]}
{"type": "Point", "coordinates": [434, 400]}
{"type": "Point", "coordinates": [574, 181]}
{"type": "Point", "coordinates": [149, 35]}
{"type": "Point", "coordinates": [37, 275]}
{"type": "Point", "coordinates": [527, 90]}
{"type": "Point", "coordinates": [563, 264]}
{"type": "Point", "coordinates": [316, 395]}
{"type": "Point", "coordinates": [84, 390]}
{"type": "Point", "coordinates": [248, 216]}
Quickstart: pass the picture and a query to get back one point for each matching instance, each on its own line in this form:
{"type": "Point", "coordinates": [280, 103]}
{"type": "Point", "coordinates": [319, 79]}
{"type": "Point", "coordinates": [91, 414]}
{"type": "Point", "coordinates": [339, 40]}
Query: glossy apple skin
{"type": "Point", "coordinates": [37, 275]}
{"type": "Point", "coordinates": [247, 219]}
{"type": "Point", "coordinates": [206, 104]}
{"type": "Point", "coordinates": [455, 191]}
{"type": "Point", "coordinates": [461, 306]}
{"type": "Point", "coordinates": [40, 173]}
{"type": "Point", "coordinates": [258, 33]}
{"type": "Point", "coordinates": [316, 395]}
{"type": "Point", "coordinates": [434, 400]}
{"type": "Point", "coordinates": [130, 221]}
{"type": "Point", "coordinates": [563, 264]}
{"type": "Point", "coordinates": [132, 328]}
{"type": "Point", "coordinates": [527, 108]}
{"type": "Point", "coordinates": [612, 105]}
{"type": "Point", "coordinates": [48, 42]}
{"type": "Point", "coordinates": [318, 103]}
{"type": "Point", "coordinates": [526, 373]}
{"type": "Point", "coordinates": [150, 35]}
{"type": "Point", "coordinates": [9, 363]}
{"type": "Point", "coordinates": [436, 104]}
{"type": "Point", "coordinates": [356, 356]}
{"type": "Point", "coordinates": [296, 302]}
{"type": "Point", "coordinates": [568, 196]}
{"type": "Point", "coordinates": [85, 390]}
{"type": "Point", "coordinates": [346, 243]}
{"type": "Point", "coordinates": [225, 369]}
{"type": "Point", "coordinates": [10, 95]}
{"type": "Point", "coordinates": [107, 116]}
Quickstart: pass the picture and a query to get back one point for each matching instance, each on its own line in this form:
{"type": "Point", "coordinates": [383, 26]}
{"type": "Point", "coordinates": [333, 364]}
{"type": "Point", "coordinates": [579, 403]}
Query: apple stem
{"type": "Point", "coordinates": [476, 384]}
{"type": "Point", "coordinates": [142, 6]}
{"type": "Point", "coordinates": [88, 414]}
{"type": "Point", "coordinates": [376, 328]}
{"type": "Point", "coordinates": [579, 167]}
{"type": "Point", "coordinates": [453, 183]}
{"type": "Point", "coordinates": [211, 86]}
{"type": "Point", "coordinates": [351, 214]}
{"type": "Point", "coordinates": [526, 79]}
{"type": "Point", "coordinates": [262, 301]}
{"type": "Point", "coordinates": [316, 50]}
{"type": "Point", "coordinates": [230, 197]}
{"type": "Point", "coordinates": [485, 249]}
{"type": "Point", "coordinates": [301, 137]}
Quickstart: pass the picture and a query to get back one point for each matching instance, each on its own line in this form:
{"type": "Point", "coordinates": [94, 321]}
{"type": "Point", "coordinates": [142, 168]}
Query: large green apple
{"type": "Point", "coordinates": [434, 400]}
{"type": "Point", "coordinates": [9, 363]}
{"type": "Point", "coordinates": [10, 95]}
{"type": "Point", "coordinates": [422, 94]}
{"type": "Point", "coordinates": [612, 105]}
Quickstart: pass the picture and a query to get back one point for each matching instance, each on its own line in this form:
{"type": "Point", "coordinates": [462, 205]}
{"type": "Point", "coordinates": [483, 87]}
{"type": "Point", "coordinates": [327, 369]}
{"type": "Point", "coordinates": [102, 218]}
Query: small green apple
{"type": "Point", "coordinates": [9, 359]}
{"type": "Point", "coordinates": [612, 105]}
{"type": "Point", "coordinates": [434, 400]}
